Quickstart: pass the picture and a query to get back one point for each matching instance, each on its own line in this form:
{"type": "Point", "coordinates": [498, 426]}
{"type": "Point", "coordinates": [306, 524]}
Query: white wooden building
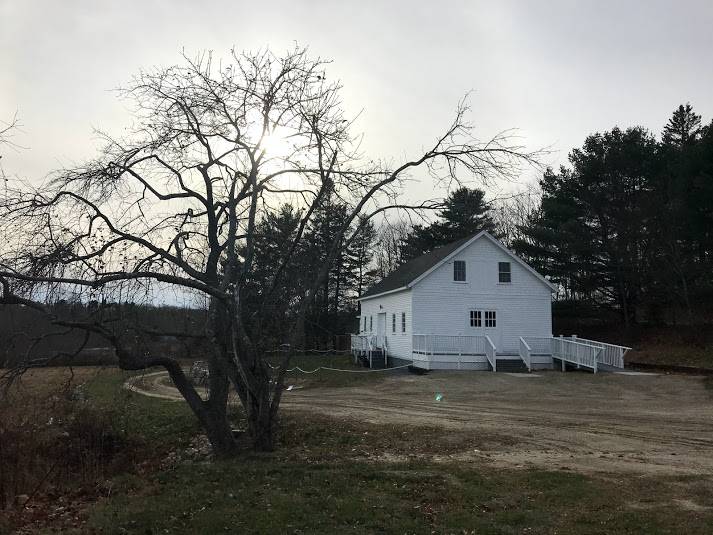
{"type": "Point", "coordinates": [472, 304]}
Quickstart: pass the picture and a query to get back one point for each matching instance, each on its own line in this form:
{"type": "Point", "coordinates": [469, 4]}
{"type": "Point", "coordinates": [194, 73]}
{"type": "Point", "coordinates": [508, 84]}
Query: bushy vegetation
{"type": "Point", "coordinates": [64, 435]}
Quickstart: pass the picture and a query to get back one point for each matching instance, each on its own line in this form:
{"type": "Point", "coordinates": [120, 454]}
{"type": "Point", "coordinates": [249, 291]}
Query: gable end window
{"type": "Point", "coordinates": [476, 318]}
{"type": "Point", "coordinates": [403, 322]}
{"type": "Point", "coordinates": [504, 274]}
{"type": "Point", "coordinates": [393, 323]}
{"type": "Point", "coordinates": [459, 270]}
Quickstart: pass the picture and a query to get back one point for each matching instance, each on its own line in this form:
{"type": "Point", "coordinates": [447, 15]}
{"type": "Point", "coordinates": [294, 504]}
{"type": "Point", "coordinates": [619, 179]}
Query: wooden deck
{"type": "Point", "coordinates": [479, 352]}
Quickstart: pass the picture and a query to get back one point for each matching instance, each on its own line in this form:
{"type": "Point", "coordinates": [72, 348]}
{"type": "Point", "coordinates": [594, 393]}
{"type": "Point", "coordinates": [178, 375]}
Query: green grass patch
{"type": "Point", "coordinates": [261, 495]}
{"type": "Point", "coordinates": [162, 424]}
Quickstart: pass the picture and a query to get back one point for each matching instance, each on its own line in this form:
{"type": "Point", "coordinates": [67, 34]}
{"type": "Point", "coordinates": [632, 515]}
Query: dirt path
{"type": "Point", "coordinates": [655, 424]}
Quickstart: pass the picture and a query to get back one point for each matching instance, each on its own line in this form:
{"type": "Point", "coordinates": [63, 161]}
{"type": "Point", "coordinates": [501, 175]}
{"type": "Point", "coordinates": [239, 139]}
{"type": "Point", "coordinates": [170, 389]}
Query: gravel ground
{"type": "Point", "coordinates": [649, 424]}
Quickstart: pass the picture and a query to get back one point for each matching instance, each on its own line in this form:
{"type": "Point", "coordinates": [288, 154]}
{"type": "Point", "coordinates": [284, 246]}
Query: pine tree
{"type": "Point", "coordinates": [683, 128]}
{"type": "Point", "coordinates": [593, 233]}
{"type": "Point", "coordinates": [465, 213]}
{"type": "Point", "coordinates": [360, 255]}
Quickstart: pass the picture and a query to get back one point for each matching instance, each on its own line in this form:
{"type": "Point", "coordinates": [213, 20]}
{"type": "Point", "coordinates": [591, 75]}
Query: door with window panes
{"type": "Point", "coordinates": [486, 321]}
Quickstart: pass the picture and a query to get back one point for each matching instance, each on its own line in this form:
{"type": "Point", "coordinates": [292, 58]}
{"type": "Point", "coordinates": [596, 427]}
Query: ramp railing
{"type": "Point", "coordinates": [611, 354]}
{"type": "Point", "coordinates": [576, 352]}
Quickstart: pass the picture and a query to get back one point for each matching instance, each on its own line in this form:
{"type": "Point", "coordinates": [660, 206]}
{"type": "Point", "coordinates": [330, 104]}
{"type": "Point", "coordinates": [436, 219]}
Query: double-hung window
{"type": "Point", "coordinates": [490, 319]}
{"type": "Point", "coordinates": [371, 323]}
{"type": "Point", "coordinates": [504, 274]}
{"type": "Point", "coordinates": [459, 270]}
{"type": "Point", "coordinates": [403, 322]}
{"type": "Point", "coordinates": [476, 318]}
{"type": "Point", "coordinates": [393, 323]}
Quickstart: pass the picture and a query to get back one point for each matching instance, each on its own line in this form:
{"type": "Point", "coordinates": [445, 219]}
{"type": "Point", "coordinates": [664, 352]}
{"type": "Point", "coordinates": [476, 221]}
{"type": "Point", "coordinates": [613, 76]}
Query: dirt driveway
{"type": "Point", "coordinates": [654, 424]}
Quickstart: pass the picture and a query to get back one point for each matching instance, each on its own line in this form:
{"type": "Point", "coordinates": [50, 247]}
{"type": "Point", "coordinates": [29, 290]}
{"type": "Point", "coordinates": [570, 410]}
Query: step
{"type": "Point", "coordinates": [511, 366]}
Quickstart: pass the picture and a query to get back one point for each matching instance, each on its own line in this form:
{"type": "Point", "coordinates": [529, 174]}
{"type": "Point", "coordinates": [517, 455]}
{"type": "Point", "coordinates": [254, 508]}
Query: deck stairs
{"type": "Point", "coordinates": [511, 364]}
{"type": "Point", "coordinates": [373, 358]}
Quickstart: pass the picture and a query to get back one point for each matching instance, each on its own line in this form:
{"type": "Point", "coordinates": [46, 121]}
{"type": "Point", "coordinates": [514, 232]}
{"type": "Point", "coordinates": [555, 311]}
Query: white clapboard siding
{"type": "Point", "coordinates": [399, 343]}
{"type": "Point", "coordinates": [523, 307]}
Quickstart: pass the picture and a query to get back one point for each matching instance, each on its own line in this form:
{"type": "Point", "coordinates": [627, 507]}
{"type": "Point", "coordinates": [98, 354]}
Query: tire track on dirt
{"type": "Point", "coordinates": [636, 426]}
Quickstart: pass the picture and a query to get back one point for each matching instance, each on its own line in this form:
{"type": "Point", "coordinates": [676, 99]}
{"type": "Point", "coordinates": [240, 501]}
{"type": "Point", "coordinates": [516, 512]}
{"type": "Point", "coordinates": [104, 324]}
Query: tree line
{"type": "Point", "coordinates": [626, 228]}
{"type": "Point", "coordinates": [629, 224]}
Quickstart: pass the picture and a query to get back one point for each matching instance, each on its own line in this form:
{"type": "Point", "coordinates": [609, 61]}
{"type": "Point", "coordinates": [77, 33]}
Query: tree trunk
{"type": "Point", "coordinates": [216, 424]}
{"type": "Point", "coordinates": [220, 433]}
{"type": "Point", "coordinates": [261, 424]}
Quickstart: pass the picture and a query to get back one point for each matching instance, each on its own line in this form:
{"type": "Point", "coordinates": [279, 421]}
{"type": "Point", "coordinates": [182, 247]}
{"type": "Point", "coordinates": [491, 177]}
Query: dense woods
{"type": "Point", "coordinates": [628, 225]}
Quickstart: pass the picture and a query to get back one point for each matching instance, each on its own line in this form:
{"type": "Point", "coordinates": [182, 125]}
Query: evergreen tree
{"type": "Point", "coordinates": [274, 233]}
{"type": "Point", "coordinates": [593, 228]}
{"type": "Point", "coordinates": [360, 255]}
{"type": "Point", "coordinates": [682, 128]}
{"type": "Point", "coordinates": [465, 213]}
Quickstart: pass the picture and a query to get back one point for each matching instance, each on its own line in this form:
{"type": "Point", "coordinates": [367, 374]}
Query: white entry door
{"type": "Point", "coordinates": [486, 322]}
{"type": "Point", "coordinates": [380, 329]}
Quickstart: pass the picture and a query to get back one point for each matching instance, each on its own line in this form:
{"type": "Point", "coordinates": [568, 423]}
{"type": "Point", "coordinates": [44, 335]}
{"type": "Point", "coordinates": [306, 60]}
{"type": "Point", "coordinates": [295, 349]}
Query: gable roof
{"type": "Point", "coordinates": [414, 270]}
{"type": "Point", "coordinates": [411, 270]}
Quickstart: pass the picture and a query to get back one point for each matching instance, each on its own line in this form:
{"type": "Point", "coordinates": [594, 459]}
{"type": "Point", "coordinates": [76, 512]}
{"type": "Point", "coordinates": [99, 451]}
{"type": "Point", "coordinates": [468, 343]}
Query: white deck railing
{"type": "Point", "coordinates": [360, 342]}
{"type": "Point", "coordinates": [458, 345]}
{"type": "Point", "coordinates": [366, 344]}
{"type": "Point", "coordinates": [611, 355]}
{"type": "Point", "coordinates": [439, 344]}
{"type": "Point", "coordinates": [539, 345]}
{"type": "Point", "coordinates": [526, 353]}
{"type": "Point", "coordinates": [576, 352]}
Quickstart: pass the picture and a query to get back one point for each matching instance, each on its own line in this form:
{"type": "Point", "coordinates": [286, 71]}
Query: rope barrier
{"type": "Point", "coordinates": [341, 370]}
{"type": "Point", "coordinates": [340, 351]}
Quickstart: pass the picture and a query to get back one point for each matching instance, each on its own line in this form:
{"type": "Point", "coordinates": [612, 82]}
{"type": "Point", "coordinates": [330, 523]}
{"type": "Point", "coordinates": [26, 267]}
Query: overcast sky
{"type": "Point", "coordinates": [557, 70]}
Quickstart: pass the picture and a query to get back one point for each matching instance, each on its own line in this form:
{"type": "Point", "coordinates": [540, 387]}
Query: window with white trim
{"type": "Point", "coordinates": [504, 273]}
{"type": "Point", "coordinates": [490, 318]}
{"type": "Point", "coordinates": [363, 329]}
{"type": "Point", "coordinates": [476, 318]}
{"type": "Point", "coordinates": [403, 322]}
{"type": "Point", "coordinates": [459, 270]}
{"type": "Point", "coordinates": [371, 323]}
{"type": "Point", "coordinates": [393, 323]}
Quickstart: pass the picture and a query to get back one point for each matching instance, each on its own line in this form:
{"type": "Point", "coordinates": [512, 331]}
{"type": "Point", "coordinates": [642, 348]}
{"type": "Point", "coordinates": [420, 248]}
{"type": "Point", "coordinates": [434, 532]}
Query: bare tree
{"type": "Point", "coordinates": [175, 202]}
{"type": "Point", "coordinates": [389, 243]}
{"type": "Point", "coordinates": [7, 129]}
{"type": "Point", "coordinates": [513, 212]}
